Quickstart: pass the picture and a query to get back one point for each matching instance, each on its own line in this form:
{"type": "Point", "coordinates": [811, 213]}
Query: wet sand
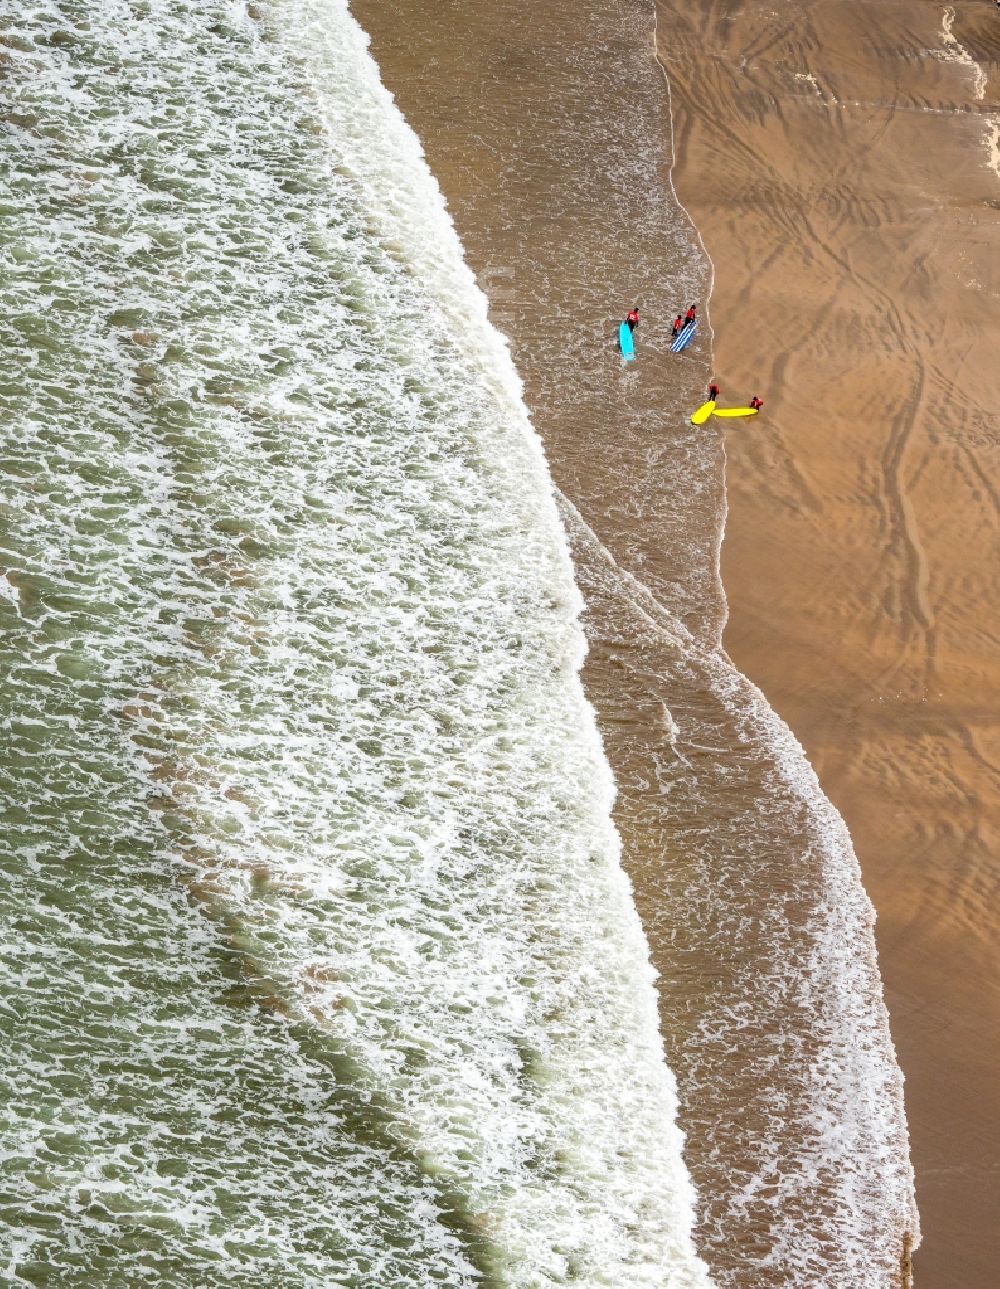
{"type": "Point", "coordinates": [840, 162]}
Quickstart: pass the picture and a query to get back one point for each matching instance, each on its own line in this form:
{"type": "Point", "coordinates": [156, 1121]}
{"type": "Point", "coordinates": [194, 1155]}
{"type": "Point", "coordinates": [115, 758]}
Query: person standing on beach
{"type": "Point", "coordinates": [689, 318]}
{"type": "Point", "coordinates": [756, 403]}
{"type": "Point", "coordinates": [676, 329]}
{"type": "Point", "coordinates": [713, 393]}
{"type": "Point", "coordinates": [633, 319]}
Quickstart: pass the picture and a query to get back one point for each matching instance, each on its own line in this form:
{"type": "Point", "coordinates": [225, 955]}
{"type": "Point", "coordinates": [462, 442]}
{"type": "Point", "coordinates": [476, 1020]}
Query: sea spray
{"type": "Point", "coordinates": [321, 965]}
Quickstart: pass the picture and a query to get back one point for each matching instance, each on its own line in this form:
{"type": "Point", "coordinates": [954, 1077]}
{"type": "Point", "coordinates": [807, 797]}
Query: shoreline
{"type": "Point", "coordinates": [853, 602]}
{"type": "Point", "coordinates": [565, 228]}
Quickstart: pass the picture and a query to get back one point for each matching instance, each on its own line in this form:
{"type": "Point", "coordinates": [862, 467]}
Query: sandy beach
{"type": "Point", "coordinates": [840, 162]}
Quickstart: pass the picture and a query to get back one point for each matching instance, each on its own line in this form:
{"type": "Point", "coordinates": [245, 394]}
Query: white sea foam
{"type": "Point", "coordinates": [325, 968]}
{"type": "Point", "coordinates": [956, 52]}
{"type": "Point", "coordinates": [816, 1186]}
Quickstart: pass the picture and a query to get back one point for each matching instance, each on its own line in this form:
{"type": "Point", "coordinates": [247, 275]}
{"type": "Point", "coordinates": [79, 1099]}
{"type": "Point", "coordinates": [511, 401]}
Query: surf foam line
{"type": "Point", "coordinates": [833, 1160]}
{"type": "Point", "coordinates": [842, 959]}
{"type": "Point", "coordinates": [955, 52]}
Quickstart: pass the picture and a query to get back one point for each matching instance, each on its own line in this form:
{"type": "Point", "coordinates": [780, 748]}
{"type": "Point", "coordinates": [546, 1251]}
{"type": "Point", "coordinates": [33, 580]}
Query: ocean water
{"type": "Point", "coordinates": [319, 963]}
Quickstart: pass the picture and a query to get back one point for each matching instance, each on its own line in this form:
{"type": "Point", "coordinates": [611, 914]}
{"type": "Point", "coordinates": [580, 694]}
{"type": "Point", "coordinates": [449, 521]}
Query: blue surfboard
{"type": "Point", "coordinates": [684, 337]}
{"type": "Point", "coordinates": [625, 343]}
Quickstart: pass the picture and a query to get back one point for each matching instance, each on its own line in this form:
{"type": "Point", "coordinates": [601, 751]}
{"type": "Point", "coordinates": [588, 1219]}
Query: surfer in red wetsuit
{"type": "Point", "coordinates": [676, 329]}
{"type": "Point", "coordinates": [713, 393]}
{"type": "Point", "coordinates": [633, 319]}
{"type": "Point", "coordinates": [756, 403]}
{"type": "Point", "coordinates": [689, 317]}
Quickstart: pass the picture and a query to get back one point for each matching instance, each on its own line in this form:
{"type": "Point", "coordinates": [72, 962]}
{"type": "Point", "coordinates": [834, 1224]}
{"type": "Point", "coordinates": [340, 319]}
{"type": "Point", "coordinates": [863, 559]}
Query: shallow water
{"type": "Point", "coordinates": [321, 964]}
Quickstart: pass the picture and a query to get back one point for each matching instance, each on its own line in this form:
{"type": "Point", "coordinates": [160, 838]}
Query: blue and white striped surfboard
{"type": "Point", "coordinates": [684, 337]}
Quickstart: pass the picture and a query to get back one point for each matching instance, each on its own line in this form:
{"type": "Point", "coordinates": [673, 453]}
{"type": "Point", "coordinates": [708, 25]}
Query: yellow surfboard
{"type": "Point", "coordinates": [703, 412]}
{"type": "Point", "coordinates": [732, 411]}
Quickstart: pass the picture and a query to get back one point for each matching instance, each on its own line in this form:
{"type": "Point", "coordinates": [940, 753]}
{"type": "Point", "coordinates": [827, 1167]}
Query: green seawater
{"type": "Point", "coordinates": [319, 967]}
